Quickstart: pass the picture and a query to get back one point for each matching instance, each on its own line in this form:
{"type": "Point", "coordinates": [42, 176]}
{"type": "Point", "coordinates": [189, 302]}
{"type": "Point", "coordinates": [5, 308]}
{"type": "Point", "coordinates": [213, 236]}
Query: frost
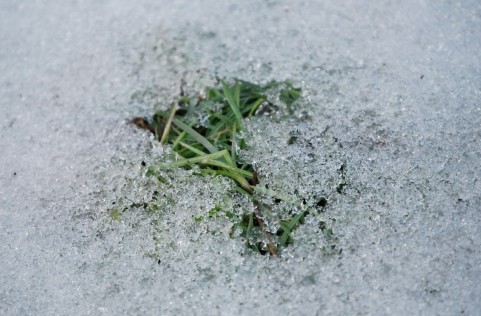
{"type": "Point", "coordinates": [386, 148]}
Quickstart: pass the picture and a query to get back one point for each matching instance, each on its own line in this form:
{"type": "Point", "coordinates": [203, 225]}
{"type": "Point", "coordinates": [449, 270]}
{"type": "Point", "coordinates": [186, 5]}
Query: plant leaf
{"type": "Point", "coordinates": [233, 100]}
{"type": "Point", "coordinates": [201, 139]}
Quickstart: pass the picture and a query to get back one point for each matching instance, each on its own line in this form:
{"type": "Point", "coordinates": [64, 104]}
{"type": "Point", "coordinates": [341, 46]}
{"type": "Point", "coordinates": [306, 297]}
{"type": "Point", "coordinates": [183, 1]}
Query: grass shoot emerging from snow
{"type": "Point", "coordinates": [204, 130]}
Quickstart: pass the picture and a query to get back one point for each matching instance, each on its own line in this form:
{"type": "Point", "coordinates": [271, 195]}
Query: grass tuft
{"type": "Point", "coordinates": [203, 131]}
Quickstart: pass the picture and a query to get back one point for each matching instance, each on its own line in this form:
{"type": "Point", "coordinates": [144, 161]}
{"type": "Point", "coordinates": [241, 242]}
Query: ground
{"type": "Point", "coordinates": [389, 132]}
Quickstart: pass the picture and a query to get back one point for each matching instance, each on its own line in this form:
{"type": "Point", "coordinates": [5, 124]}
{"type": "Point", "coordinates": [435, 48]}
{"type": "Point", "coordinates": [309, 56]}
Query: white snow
{"type": "Point", "coordinates": [392, 93]}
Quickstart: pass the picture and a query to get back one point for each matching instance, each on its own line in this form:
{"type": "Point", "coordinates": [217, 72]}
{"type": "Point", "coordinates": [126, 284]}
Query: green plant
{"type": "Point", "coordinates": [204, 131]}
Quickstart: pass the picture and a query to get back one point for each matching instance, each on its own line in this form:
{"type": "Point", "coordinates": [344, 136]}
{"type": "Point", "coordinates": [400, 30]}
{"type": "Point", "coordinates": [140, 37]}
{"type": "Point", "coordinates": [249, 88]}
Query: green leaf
{"type": "Point", "coordinates": [201, 139]}
{"type": "Point", "coordinates": [233, 100]}
{"type": "Point", "coordinates": [289, 96]}
{"type": "Point", "coordinates": [288, 228]}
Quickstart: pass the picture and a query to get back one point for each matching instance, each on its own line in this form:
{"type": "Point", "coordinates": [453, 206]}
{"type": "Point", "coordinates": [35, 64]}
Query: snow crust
{"type": "Point", "coordinates": [391, 110]}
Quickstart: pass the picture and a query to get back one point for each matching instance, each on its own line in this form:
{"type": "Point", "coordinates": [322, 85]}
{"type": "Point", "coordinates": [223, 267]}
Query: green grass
{"type": "Point", "coordinates": [203, 131]}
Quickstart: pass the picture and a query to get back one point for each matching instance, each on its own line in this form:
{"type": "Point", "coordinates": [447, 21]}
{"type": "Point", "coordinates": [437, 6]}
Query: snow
{"type": "Point", "coordinates": [391, 108]}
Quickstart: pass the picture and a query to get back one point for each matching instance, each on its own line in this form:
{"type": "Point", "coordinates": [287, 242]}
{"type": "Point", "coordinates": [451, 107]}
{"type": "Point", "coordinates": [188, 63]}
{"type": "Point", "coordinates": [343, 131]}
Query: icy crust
{"type": "Point", "coordinates": [296, 159]}
{"type": "Point", "coordinates": [190, 260]}
{"type": "Point", "coordinates": [396, 83]}
{"type": "Point", "coordinates": [382, 200]}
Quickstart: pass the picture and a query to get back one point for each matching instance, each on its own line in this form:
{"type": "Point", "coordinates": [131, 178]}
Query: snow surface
{"type": "Point", "coordinates": [392, 108]}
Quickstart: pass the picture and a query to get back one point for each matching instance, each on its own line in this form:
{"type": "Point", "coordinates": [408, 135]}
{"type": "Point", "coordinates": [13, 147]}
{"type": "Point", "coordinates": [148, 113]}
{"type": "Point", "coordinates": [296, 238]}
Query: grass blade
{"type": "Point", "coordinates": [178, 139]}
{"type": "Point", "coordinates": [201, 139]}
{"type": "Point", "coordinates": [288, 228]}
{"type": "Point", "coordinates": [255, 106]}
{"type": "Point", "coordinates": [165, 134]}
{"type": "Point", "coordinates": [233, 100]}
{"type": "Point", "coordinates": [193, 149]}
{"type": "Point", "coordinates": [233, 147]}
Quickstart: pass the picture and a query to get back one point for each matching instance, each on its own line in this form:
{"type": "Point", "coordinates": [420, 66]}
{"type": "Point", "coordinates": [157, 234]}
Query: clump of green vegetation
{"type": "Point", "coordinates": [204, 130]}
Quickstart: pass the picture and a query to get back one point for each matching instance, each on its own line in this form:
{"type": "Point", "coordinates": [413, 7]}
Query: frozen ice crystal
{"type": "Point", "coordinates": [394, 124]}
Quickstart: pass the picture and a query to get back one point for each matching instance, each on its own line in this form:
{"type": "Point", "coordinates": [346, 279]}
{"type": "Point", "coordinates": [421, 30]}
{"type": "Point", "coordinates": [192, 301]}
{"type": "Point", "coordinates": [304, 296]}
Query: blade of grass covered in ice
{"type": "Point", "coordinates": [195, 135]}
{"type": "Point", "coordinates": [290, 95]}
{"type": "Point", "coordinates": [233, 100]}
{"type": "Point", "coordinates": [165, 134]}
{"type": "Point", "coordinates": [219, 164]}
{"type": "Point", "coordinates": [193, 149]}
{"type": "Point", "coordinates": [255, 106]}
{"type": "Point", "coordinates": [233, 147]}
{"type": "Point", "coordinates": [237, 177]}
{"type": "Point", "coordinates": [211, 160]}
{"type": "Point", "coordinates": [218, 137]}
{"type": "Point", "coordinates": [288, 228]}
{"type": "Point", "coordinates": [205, 159]}
{"type": "Point", "coordinates": [178, 140]}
